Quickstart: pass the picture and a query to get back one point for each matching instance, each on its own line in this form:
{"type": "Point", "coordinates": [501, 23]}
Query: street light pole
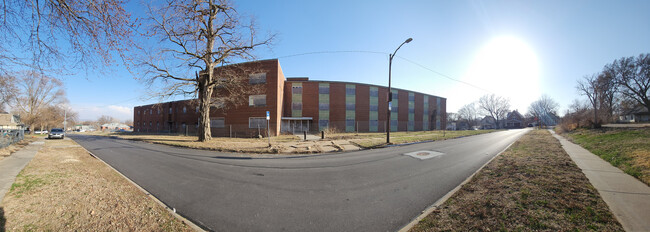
{"type": "Point", "coordinates": [390, 95]}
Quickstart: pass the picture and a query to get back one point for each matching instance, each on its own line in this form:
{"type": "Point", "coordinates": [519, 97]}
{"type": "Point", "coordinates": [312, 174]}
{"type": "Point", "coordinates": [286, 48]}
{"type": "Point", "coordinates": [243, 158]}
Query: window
{"type": "Point", "coordinates": [184, 110]}
{"type": "Point", "coordinates": [257, 78]}
{"type": "Point", "coordinates": [170, 110]}
{"type": "Point", "coordinates": [323, 89]}
{"type": "Point", "coordinates": [183, 126]}
{"type": "Point", "coordinates": [374, 123]}
{"type": "Point", "coordinates": [411, 110]}
{"type": "Point", "coordinates": [197, 109]}
{"type": "Point", "coordinates": [296, 89]}
{"type": "Point", "coordinates": [411, 97]}
{"type": "Point", "coordinates": [350, 91]}
{"type": "Point", "coordinates": [138, 112]}
{"type": "Point", "coordinates": [349, 106]}
{"type": "Point", "coordinates": [217, 122]}
{"type": "Point", "coordinates": [157, 125]}
{"type": "Point", "coordinates": [150, 124]}
{"type": "Point", "coordinates": [296, 106]}
{"type": "Point", "coordinates": [158, 110]}
{"type": "Point", "coordinates": [323, 106]}
{"type": "Point", "coordinates": [257, 122]}
{"type": "Point", "coordinates": [323, 123]}
{"type": "Point", "coordinates": [395, 95]}
{"type": "Point", "coordinates": [349, 122]}
{"type": "Point", "coordinates": [151, 111]}
{"type": "Point", "coordinates": [374, 92]}
{"type": "Point", "coordinates": [373, 107]}
{"type": "Point", "coordinates": [257, 100]}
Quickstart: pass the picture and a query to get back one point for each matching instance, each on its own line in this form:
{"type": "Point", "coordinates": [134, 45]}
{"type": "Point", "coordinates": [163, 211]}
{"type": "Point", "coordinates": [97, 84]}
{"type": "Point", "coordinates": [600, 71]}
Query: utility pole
{"type": "Point", "coordinates": [390, 95]}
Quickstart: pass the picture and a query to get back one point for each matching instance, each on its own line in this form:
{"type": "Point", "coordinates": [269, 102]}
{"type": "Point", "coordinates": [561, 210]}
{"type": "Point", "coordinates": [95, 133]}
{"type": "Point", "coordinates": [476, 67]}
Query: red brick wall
{"type": "Point", "coordinates": [278, 102]}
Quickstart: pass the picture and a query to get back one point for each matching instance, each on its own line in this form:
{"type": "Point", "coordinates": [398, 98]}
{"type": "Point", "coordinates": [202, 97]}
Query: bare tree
{"type": "Point", "coordinates": [7, 90]}
{"type": "Point", "coordinates": [495, 106]}
{"type": "Point", "coordinates": [84, 33]}
{"type": "Point", "coordinates": [36, 92]}
{"type": "Point", "coordinates": [589, 87]}
{"type": "Point", "coordinates": [607, 94]}
{"type": "Point", "coordinates": [469, 113]}
{"type": "Point", "coordinates": [632, 74]}
{"type": "Point", "coordinates": [200, 35]}
{"type": "Point", "coordinates": [105, 119]}
{"type": "Point", "coordinates": [544, 109]}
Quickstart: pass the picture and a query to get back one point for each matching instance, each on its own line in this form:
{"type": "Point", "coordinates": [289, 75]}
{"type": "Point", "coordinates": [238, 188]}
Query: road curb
{"type": "Point", "coordinates": [172, 211]}
{"type": "Point", "coordinates": [444, 198]}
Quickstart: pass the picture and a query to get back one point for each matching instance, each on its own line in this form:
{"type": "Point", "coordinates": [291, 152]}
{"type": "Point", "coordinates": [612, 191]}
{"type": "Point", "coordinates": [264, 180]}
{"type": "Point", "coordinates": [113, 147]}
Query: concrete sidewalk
{"type": "Point", "coordinates": [12, 165]}
{"type": "Point", "coordinates": [627, 197]}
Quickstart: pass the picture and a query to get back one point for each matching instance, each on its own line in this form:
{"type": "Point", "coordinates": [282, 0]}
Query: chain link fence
{"type": "Point", "coordinates": [8, 137]}
{"type": "Point", "coordinates": [257, 129]}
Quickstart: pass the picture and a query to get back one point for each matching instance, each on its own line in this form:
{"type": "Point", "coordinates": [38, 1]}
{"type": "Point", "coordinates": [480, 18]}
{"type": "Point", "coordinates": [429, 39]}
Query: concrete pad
{"type": "Point", "coordinates": [627, 197]}
{"type": "Point", "coordinates": [12, 165]}
{"type": "Point", "coordinates": [422, 155]}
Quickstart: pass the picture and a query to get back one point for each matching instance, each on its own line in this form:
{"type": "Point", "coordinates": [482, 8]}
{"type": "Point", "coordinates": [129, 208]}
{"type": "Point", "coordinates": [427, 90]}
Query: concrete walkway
{"type": "Point", "coordinates": [627, 197]}
{"type": "Point", "coordinates": [12, 165]}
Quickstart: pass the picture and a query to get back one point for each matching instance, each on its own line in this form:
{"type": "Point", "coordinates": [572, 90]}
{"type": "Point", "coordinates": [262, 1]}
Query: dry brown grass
{"type": "Point", "coordinates": [65, 189]}
{"type": "Point", "coordinates": [532, 186]}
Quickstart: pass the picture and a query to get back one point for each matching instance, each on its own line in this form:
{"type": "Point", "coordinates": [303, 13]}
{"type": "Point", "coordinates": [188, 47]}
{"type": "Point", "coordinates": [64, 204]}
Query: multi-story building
{"type": "Point", "coordinates": [299, 104]}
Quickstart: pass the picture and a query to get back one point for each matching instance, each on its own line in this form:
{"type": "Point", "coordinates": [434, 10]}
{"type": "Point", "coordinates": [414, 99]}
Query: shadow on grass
{"type": "Point", "coordinates": [2, 219]}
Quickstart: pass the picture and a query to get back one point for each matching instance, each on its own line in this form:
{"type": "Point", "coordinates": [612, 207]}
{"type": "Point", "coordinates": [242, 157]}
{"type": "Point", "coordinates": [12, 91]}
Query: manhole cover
{"type": "Point", "coordinates": [422, 155]}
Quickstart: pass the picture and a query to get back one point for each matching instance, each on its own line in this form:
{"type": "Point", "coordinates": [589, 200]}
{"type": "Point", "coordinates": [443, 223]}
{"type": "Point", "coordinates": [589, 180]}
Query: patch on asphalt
{"type": "Point", "coordinates": [422, 155]}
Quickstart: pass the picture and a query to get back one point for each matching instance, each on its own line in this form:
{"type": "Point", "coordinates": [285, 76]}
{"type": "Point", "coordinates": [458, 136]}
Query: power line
{"type": "Point", "coordinates": [384, 53]}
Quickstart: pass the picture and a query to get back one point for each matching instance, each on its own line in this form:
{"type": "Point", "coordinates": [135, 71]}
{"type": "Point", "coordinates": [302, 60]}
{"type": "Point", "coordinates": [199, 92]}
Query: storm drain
{"type": "Point", "coordinates": [424, 154]}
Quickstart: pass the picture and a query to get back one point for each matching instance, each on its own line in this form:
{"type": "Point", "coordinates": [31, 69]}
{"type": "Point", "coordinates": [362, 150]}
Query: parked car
{"type": "Point", "coordinates": [56, 133]}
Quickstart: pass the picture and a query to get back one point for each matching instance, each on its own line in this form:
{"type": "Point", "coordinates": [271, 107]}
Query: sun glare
{"type": "Point", "coordinates": [508, 67]}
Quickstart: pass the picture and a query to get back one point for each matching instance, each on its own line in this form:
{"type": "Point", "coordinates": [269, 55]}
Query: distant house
{"type": "Point", "coordinates": [115, 126]}
{"type": "Point", "coordinates": [514, 120]}
{"type": "Point", "coordinates": [10, 122]}
{"type": "Point", "coordinates": [638, 114]}
{"type": "Point", "coordinates": [84, 128]}
{"type": "Point", "coordinates": [488, 122]}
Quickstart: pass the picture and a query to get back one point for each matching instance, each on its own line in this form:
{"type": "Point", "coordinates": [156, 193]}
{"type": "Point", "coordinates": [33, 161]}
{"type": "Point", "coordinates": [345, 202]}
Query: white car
{"type": "Point", "coordinates": [40, 132]}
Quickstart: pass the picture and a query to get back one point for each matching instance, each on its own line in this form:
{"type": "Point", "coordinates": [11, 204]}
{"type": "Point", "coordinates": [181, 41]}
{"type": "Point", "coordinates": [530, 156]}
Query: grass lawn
{"type": "Point", "coordinates": [65, 189]}
{"type": "Point", "coordinates": [372, 140]}
{"type": "Point", "coordinates": [287, 143]}
{"type": "Point", "coordinates": [534, 185]}
{"type": "Point", "coordinates": [627, 149]}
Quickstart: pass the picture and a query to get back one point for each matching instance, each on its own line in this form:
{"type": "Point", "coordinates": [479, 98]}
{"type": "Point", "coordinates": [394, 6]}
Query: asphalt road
{"type": "Point", "coordinates": [370, 190]}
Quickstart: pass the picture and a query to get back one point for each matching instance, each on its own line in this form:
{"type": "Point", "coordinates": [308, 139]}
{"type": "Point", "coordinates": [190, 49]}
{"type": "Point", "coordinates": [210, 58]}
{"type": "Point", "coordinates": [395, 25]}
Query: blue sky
{"type": "Point", "coordinates": [517, 49]}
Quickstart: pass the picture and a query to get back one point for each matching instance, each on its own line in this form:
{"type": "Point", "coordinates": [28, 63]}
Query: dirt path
{"type": "Point", "coordinates": [63, 188]}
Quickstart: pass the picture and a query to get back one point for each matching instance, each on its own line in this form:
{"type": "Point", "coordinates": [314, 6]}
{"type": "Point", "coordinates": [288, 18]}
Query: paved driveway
{"type": "Point", "coordinates": [370, 190]}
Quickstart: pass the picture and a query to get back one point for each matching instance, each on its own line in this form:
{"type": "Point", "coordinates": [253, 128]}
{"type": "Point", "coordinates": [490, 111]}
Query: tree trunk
{"type": "Point", "coordinates": [205, 93]}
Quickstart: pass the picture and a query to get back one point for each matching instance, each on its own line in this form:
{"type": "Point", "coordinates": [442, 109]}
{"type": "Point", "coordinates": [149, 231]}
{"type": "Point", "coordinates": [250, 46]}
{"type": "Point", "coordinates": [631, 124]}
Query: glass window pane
{"type": "Point", "coordinates": [349, 106]}
{"type": "Point", "coordinates": [257, 78]}
{"type": "Point", "coordinates": [217, 122]}
{"type": "Point", "coordinates": [296, 90]}
{"type": "Point", "coordinates": [257, 100]}
{"type": "Point", "coordinates": [296, 105]}
{"type": "Point", "coordinates": [374, 93]}
{"type": "Point", "coordinates": [373, 108]}
{"type": "Point", "coordinates": [323, 90]}
{"type": "Point", "coordinates": [323, 123]}
{"type": "Point", "coordinates": [324, 106]}
{"type": "Point", "coordinates": [350, 91]}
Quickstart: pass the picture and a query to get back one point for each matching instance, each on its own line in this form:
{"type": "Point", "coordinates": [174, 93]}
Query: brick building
{"type": "Point", "coordinates": [300, 104]}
